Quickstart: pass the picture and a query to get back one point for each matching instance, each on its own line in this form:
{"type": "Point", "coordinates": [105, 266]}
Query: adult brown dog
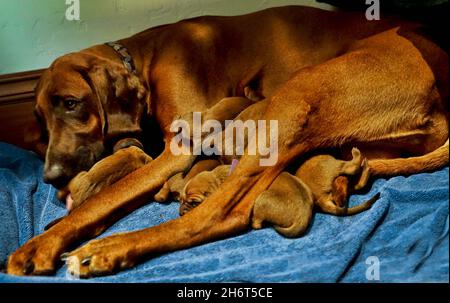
{"type": "Point", "coordinates": [352, 86]}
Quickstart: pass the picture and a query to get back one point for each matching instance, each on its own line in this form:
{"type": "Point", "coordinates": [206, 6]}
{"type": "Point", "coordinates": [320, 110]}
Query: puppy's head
{"type": "Point", "coordinates": [84, 102]}
{"type": "Point", "coordinates": [196, 191]}
{"type": "Point", "coordinates": [201, 186]}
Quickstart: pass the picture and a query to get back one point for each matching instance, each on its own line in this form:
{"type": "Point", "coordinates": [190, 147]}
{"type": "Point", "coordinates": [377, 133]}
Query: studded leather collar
{"type": "Point", "coordinates": [125, 56]}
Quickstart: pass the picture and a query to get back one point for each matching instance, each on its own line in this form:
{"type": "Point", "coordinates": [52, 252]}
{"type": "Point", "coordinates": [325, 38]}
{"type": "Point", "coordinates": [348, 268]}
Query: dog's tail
{"type": "Point", "coordinates": [331, 208]}
{"type": "Point", "coordinates": [407, 166]}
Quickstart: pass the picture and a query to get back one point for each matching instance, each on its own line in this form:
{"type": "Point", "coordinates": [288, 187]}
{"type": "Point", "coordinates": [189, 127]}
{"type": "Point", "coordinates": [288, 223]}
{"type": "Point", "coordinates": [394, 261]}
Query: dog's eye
{"type": "Point", "coordinates": [70, 104]}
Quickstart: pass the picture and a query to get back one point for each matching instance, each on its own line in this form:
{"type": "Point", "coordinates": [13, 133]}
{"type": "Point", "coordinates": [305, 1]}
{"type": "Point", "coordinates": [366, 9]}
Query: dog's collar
{"type": "Point", "coordinates": [125, 56]}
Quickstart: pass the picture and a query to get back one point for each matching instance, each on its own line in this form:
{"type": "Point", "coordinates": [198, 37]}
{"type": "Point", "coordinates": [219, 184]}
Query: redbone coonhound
{"type": "Point", "coordinates": [331, 79]}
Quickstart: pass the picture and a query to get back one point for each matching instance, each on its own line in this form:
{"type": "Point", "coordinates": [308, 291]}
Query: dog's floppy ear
{"type": "Point", "coordinates": [35, 137]}
{"type": "Point", "coordinates": [122, 98]}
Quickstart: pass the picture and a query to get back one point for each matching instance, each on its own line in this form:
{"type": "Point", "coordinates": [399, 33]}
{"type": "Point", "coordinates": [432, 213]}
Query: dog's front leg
{"type": "Point", "coordinates": [40, 255]}
{"type": "Point", "coordinates": [224, 213]}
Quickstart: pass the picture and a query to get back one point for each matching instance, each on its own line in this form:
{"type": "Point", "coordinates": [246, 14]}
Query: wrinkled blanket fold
{"type": "Point", "coordinates": [403, 238]}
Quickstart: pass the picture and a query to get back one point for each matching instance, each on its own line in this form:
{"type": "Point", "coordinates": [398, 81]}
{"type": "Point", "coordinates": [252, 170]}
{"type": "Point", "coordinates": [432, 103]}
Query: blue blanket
{"type": "Point", "coordinates": [403, 238]}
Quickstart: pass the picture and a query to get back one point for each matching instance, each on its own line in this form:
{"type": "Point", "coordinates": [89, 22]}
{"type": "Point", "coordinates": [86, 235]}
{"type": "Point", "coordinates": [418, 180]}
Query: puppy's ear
{"type": "Point", "coordinates": [122, 98]}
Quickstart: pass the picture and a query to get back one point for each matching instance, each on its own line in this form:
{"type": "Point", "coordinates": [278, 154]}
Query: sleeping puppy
{"type": "Point", "coordinates": [201, 186]}
{"type": "Point", "coordinates": [328, 179]}
{"type": "Point", "coordinates": [321, 181]}
{"type": "Point", "coordinates": [127, 157]}
{"type": "Point", "coordinates": [173, 187]}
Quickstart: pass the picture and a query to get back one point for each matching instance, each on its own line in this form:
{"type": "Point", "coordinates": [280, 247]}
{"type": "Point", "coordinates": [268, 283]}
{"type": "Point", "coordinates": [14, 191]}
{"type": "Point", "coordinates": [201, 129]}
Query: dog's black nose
{"type": "Point", "coordinates": [56, 176]}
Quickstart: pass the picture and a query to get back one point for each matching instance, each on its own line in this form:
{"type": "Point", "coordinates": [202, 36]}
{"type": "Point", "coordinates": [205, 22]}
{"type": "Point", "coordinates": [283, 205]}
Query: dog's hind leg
{"type": "Point", "coordinates": [407, 166]}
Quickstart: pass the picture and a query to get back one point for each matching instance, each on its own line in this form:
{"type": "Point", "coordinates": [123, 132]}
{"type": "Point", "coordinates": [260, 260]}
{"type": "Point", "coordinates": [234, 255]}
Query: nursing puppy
{"type": "Point", "coordinates": [321, 181]}
{"type": "Point", "coordinates": [127, 157]}
{"type": "Point", "coordinates": [201, 186]}
{"type": "Point", "coordinates": [173, 188]}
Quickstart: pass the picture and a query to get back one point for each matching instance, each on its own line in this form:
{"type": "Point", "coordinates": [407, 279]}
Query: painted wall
{"type": "Point", "coordinates": [35, 32]}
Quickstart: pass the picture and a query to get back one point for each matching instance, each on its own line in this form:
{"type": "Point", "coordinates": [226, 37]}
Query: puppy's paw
{"type": "Point", "coordinates": [80, 188]}
{"type": "Point", "coordinates": [163, 194]}
{"type": "Point", "coordinates": [353, 167]}
{"type": "Point", "coordinates": [257, 223]}
{"type": "Point", "coordinates": [365, 175]}
{"type": "Point", "coordinates": [356, 156]}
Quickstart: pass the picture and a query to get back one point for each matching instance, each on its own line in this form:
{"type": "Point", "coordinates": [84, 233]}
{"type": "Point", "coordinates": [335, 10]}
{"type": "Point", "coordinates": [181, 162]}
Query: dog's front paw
{"type": "Point", "coordinates": [101, 257]}
{"type": "Point", "coordinates": [38, 256]}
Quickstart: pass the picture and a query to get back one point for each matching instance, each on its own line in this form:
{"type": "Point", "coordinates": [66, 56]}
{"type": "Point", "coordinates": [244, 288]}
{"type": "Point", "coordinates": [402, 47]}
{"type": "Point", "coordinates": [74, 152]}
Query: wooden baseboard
{"type": "Point", "coordinates": [16, 105]}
